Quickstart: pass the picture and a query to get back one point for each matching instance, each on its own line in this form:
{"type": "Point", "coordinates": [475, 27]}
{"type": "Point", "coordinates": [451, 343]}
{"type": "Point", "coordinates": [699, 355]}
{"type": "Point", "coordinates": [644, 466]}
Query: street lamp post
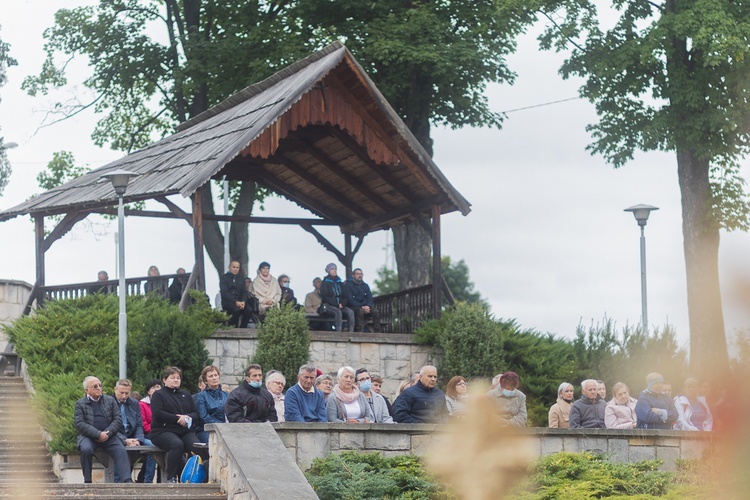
{"type": "Point", "coordinates": [120, 180]}
{"type": "Point", "coordinates": [641, 213]}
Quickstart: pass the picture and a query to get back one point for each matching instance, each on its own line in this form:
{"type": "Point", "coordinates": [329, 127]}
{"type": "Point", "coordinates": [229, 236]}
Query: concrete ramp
{"type": "Point", "coordinates": [251, 462]}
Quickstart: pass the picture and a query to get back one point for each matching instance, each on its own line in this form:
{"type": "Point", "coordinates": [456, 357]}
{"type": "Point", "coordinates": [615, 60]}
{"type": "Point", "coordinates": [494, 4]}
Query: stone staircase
{"type": "Point", "coordinates": [26, 466]}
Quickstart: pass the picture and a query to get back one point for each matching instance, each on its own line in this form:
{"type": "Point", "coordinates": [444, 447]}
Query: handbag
{"type": "Point", "coordinates": [194, 470]}
{"type": "Point", "coordinates": [323, 309]}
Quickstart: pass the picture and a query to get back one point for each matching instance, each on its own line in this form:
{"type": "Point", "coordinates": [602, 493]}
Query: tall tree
{"type": "Point", "coordinates": [671, 76]}
{"type": "Point", "coordinates": [432, 60]}
{"type": "Point", "coordinates": [5, 61]}
{"type": "Point", "coordinates": [157, 63]}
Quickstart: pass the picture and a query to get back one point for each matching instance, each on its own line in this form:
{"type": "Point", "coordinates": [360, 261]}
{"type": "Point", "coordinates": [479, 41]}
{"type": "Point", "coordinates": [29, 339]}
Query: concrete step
{"type": "Point", "coordinates": [116, 491]}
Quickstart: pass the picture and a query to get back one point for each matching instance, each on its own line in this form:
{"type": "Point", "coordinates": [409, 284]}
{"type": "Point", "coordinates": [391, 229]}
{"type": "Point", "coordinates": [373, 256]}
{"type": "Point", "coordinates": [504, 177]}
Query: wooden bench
{"type": "Point", "coordinates": [134, 454]}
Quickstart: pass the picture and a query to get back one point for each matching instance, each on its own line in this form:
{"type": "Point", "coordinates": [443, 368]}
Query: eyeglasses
{"type": "Point", "coordinates": [95, 386]}
{"type": "Point", "coordinates": [279, 382]}
{"type": "Point", "coordinates": [462, 383]}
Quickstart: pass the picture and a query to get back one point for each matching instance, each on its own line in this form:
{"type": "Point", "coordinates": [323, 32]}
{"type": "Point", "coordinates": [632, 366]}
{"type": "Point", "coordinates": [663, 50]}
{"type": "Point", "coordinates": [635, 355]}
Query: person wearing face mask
{"type": "Point", "coordinates": [559, 413]}
{"type": "Point", "coordinates": [509, 401]}
{"type": "Point", "coordinates": [375, 400]}
{"type": "Point", "coordinates": [251, 402]}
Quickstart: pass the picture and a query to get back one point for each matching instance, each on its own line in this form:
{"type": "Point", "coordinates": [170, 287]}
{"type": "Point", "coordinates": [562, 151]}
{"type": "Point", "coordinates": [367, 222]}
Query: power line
{"type": "Point", "coordinates": [540, 105]}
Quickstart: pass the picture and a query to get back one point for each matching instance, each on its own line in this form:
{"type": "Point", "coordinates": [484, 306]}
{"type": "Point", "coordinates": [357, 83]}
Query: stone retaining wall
{"type": "Point", "coordinates": [393, 356]}
{"type": "Point", "coordinates": [13, 297]}
{"type": "Point", "coordinates": [309, 441]}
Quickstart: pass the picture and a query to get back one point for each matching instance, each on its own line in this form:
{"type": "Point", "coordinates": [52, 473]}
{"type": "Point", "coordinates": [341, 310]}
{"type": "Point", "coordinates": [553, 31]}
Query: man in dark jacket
{"type": "Point", "coordinates": [333, 297]}
{"type": "Point", "coordinates": [177, 286]}
{"type": "Point", "coordinates": [234, 295]}
{"type": "Point", "coordinates": [588, 412]}
{"type": "Point", "coordinates": [132, 422]}
{"type": "Point", "coordinates": [98, 422]}
{"type": "Point", "coordinates": [422, 403]}
{"type": "Point", "coordinates": [655, 410]}
{"type": "Point", "coordinates": [251, 402]}
{"type": "Point", "coordinates": [359, 299]}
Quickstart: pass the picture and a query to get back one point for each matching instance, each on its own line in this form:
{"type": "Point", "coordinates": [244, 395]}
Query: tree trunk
{"type": "Point", "coordinates": [213, 239]}
{"type": "Point", "coordinates": [708, 346]}
{"type": "Point", "coordinates": [412, 245]}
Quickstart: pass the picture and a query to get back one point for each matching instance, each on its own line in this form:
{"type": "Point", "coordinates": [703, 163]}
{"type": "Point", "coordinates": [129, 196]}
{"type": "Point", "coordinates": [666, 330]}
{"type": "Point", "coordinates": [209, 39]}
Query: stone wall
{"type": "Point", "coordinates": [309, 441]}
{"type": "Point", "coordinates": [392, 356]}
{"type": "Point", "coordinates": [13, 297]}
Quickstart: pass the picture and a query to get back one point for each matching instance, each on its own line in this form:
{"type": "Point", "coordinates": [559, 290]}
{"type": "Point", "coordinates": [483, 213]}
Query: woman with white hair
{"type": "Point", "coordinates": [559, 413]}
{"type": "Point", "coordinates": [275, 383]}
{"type": "Point", "coordinates": [620, 411]}
{"type": "Point", "coordinates": [347, 403]}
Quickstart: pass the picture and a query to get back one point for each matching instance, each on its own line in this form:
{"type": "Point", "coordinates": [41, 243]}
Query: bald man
{"type": "Point", "coordinates": [422, 403]}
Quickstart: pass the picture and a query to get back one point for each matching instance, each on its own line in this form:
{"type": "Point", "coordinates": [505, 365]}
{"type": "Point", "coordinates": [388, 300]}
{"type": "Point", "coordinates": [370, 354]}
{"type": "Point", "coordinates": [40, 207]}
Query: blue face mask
{"type": "Point", "coordinates": [365, 385]}
{"type": "Point", "coordinates": [508, 393]}
{"type": "Point", "coordinates": [255, 385]}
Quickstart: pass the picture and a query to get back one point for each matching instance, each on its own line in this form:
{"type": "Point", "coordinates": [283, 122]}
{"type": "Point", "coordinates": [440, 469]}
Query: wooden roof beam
{"type": "Point", "coordinates": [365, 226]}
{"type": "Point", "coordinates": [355, 183]}
{"type": "Point", "coordinates": [175, 209]}
{"type": "Point", "coordinates": [65, 225]}
{"type": "Point", "coordinates": [324, 241]}
{"type": "Point", "coordinates": [320, 185]}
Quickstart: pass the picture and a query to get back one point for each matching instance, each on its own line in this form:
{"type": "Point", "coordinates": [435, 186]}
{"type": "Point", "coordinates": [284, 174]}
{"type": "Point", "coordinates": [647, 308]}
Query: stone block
{"type": "Point", "coordinates": [617, 450]}
{"type": "Point", "coordinates": [668, 454]}
{"type": "Point", "coordinates": [593, 444]}
{"type": "Point", "coordinates": [211, 348]}
{"type": "Point", "coordinates": [228, 348]}
{"type": "Point", "coordinates": [672, 442]}
{"type": "Point", "coordinates": [403, 352]}
{"type": "Point", "coordinates": [570, 444]}
{"type": "Point", "coordinates": [693, 449]}
{"type": "Point", "coordinates": [288, 438]}
{"type": "Point", "coordinates": [247, 347]}
{"type": "Point", "coordinates": [354, 355]}
{"type": "Point", "coordinates": [226, 366]}
{"type": "Point", "coordinates": [396, 369]}
{"type": "Point", "coordinates": [353, 440]}
{"type": "Point", "coordinates": [317, 351]}
{"type": "Point", "coordinates": [336, 354]}
{"type": "Point", "coordinates": [369, 355]}
{"type": "Point", "coordinates": [418, 360]}
{"type": "Point", "coordinates": [391, 453]}
{"type": "Point", "coordinates": [551, 444]}
{"type": "Point", "coordinates": [387, 441]}
{"type": "Point", "coordinates": [638, 453]}
{"type": "Point", "coordinates": [388, 351]}
{"type": "Point", "coordinates": [422, 443]}
{"type": "Point", "coordinates": [311, 445]}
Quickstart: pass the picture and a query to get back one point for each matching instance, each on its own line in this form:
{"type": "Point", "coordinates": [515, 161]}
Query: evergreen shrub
{"type": "Point", "coordinates": [68, 340]}
{"type": "Point", "coordinates": [283, 341]}
{"type": "Point", "coordinates": [352, 475]}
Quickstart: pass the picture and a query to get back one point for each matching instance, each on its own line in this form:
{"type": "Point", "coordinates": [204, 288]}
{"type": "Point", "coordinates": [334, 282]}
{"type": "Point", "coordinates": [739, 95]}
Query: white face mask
{"type": "Point", "coordinates": [508, 393]}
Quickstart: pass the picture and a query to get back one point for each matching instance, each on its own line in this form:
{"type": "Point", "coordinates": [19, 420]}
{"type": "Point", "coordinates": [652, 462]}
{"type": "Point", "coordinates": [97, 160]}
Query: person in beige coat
{"type": "Point", "coordinates": [266, 288]}
{"type": "Point", "coordinates": [559, 413]}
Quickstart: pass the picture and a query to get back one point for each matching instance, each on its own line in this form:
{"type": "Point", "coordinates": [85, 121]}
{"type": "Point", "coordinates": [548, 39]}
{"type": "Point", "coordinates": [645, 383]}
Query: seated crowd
{"type": "Point", "coordinates": [171, 419]}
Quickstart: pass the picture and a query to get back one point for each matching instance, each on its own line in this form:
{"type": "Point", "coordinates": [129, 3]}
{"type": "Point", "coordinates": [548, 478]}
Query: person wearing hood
{"type": "Point", "coordinates": [620, 411]}
{"type": "Point", "coordinates": [359, 299]}
{"type": "Point", "coordinates": [655, 410]}
{"type": "Point", "coordinates": [334, 300]}
{"type": "Point", "coordinates": [267, 289]}
{"type": "Point", "coordinates": [559, 413]}
{"type": "Point", "coordinates": [250, 401]}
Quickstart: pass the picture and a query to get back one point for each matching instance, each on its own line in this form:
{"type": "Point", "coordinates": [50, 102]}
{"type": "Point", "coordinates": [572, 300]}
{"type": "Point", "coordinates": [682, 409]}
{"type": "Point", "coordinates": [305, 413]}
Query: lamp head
{"type": "Point", "coordinates": [641, 212]}
{"type": "Point", "coordinates": [8, 145]}
{"type": "Point", "coordinates": [119, 180]}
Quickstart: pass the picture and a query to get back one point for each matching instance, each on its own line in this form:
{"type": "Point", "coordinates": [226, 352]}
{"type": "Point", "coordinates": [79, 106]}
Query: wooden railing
{"type": "Point", "coordinates": [406, 310]}
{"type": "Point", "coordinates": [133, 286]}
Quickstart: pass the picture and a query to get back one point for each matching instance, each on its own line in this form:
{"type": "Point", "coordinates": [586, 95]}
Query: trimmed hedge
{"type": "Point", "coordinates": [68, 340]}
{"type": "Point", "coordinates": [283, 342]}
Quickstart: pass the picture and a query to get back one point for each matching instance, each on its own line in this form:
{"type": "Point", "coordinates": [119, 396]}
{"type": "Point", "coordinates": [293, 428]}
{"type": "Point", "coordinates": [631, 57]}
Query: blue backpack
{"type": "Point", "coordinates": [194, 471]}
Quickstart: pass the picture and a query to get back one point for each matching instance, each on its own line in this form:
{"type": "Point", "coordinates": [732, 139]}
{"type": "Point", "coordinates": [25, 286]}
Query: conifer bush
{"type": "Point", "coordinates": [68, 340]}
{"type": "Point", "coordinates": [283, 341]}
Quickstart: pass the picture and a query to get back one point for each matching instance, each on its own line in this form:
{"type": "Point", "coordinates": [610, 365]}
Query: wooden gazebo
{"type": "Point", "coordinates": [318, 133]}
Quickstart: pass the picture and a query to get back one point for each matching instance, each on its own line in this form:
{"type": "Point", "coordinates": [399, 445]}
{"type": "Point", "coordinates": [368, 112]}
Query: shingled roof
{"type": "Point", "coordinates": [318, 132]}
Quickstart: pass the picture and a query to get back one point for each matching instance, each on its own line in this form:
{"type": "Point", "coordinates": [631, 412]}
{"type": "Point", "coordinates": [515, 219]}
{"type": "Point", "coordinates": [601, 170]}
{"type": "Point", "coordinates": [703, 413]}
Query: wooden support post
{"type": "Point", "coordinates": [348, 255]}
{"type": "Point", "coordinates": [198, 240]}
{"type": "Point", "coordinates": [39, 251]}
{"type": "Point", "coordinates": [437, 275]}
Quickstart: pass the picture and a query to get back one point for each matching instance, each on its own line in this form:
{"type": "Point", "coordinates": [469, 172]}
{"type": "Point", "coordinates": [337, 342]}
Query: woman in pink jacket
{"type": "Point", "coordinates": [620, 411]}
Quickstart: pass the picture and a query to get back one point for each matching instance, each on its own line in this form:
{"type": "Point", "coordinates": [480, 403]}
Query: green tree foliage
{"type": "Point", "coordinates": [669, 76]}
{"type": "Point", "coordinates": [5, 62]}
{"type": "Point", "coordinates": [70, 339]}
{"type": "Point", "coordinates": [471, 340]}
{"type": "Point", "coordinates": [456, 275]}
{"type": "Point", "coordinates": [283, 341]}
{"type": "Point", "coordinates": [351, 475]}
{"type": "Point", "coordinates": [157, 63]}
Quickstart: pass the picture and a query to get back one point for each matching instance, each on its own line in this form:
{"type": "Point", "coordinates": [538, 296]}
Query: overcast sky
{"type": "Point", "coordinates": [547, 241]}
